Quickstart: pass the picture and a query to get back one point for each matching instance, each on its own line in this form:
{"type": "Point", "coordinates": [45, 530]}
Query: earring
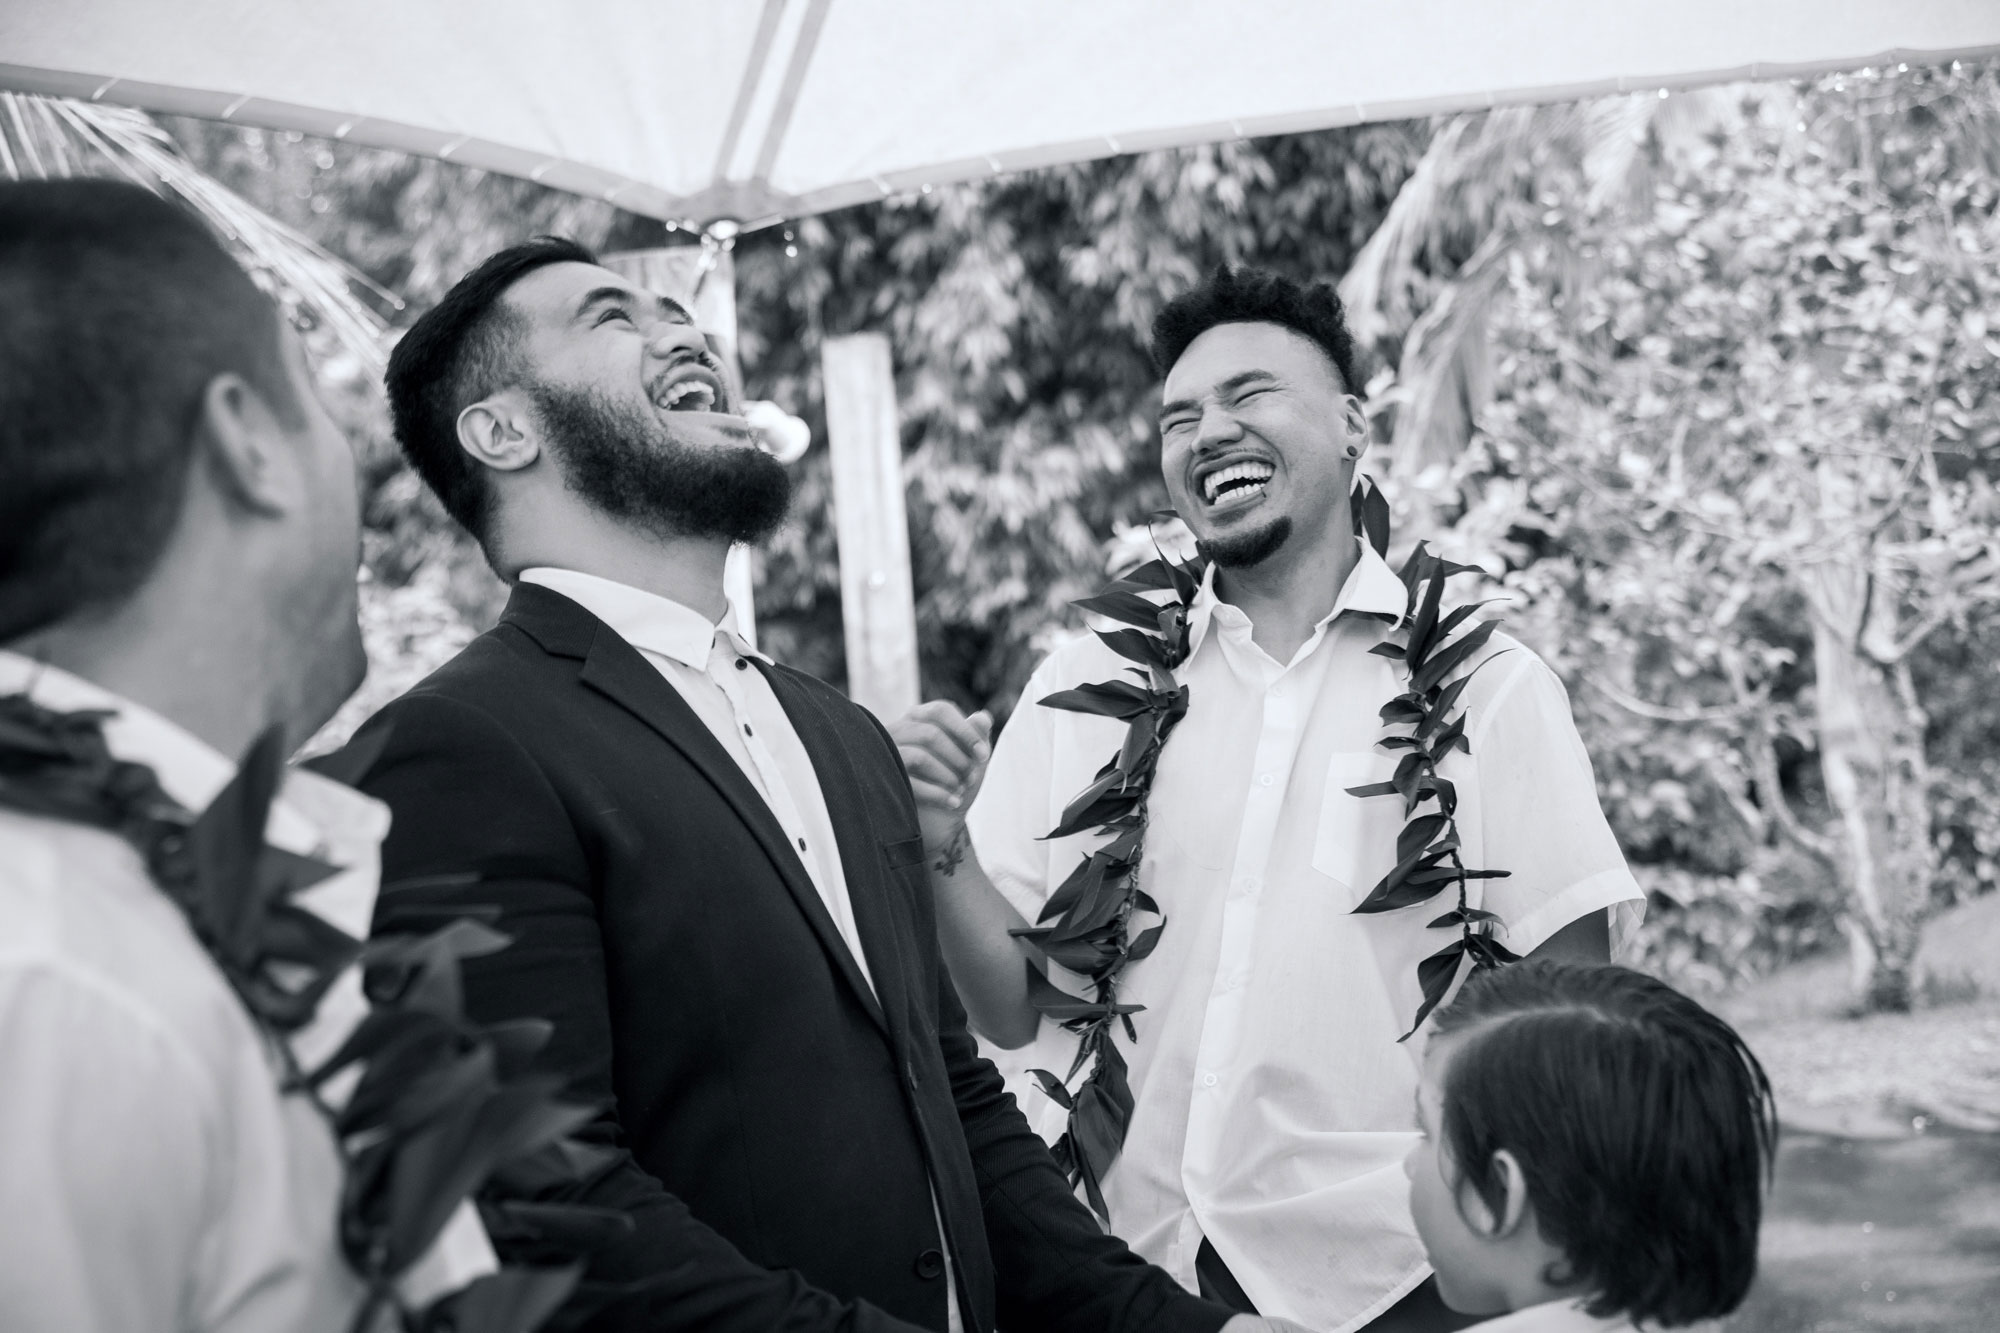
{"type": "Point", "coordinates": [1353, 451]}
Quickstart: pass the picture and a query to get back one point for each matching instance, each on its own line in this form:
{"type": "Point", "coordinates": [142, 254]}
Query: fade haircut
{"type": "Point", "coordinates": [463, 349]}
{"type": "Point", "coordinates": [1248, 295]}
{"type": "Point", "coordinates": [1644, 1126]}
{"type": "Point", "coordinates": [117, 309]}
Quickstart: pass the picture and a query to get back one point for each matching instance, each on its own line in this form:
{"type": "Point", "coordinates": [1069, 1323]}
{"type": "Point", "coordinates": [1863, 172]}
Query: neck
{"type": "Point", "coordinates": [198, 671]}
{"type": "Point", "coordinates": [686, 569]}
{"type": "Point", "coordinates": [1290, 592]}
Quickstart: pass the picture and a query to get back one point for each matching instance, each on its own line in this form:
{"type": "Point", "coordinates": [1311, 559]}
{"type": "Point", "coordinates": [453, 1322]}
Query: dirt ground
{"type": "Point", "coordinates": [1886, 1210]}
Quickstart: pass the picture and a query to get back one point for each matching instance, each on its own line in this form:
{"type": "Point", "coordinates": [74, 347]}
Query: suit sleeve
{"type": "Point", "coordinates": [478, 825]}
{"type": "Point", "coordinates": [1054, 1266]}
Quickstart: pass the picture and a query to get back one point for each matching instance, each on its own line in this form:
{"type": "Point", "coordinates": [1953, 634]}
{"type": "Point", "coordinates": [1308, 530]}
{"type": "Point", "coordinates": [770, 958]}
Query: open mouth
{"type": "Point", "coordinates": [688, 387]}
{"type": "Point", "coordinates": [1238, 483]}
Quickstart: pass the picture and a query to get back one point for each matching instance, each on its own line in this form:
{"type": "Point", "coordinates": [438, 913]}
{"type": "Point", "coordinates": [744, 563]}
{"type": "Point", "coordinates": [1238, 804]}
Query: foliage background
{"type": "Point", "coordinates": [1017, 309]}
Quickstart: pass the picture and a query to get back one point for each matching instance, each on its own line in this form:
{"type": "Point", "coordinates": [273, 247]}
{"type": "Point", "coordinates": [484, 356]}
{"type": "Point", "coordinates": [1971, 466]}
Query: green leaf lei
{"type": "Point", "coordinates": [1086, 925]}
{"type": "Point", "coordinates": [442, 1106]}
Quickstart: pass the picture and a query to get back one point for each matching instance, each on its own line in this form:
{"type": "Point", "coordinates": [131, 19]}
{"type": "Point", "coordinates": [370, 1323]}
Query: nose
{"type": "Point", "coordinates": [1219, 426]}
{"type": "Point", "coordinates": [668, 337]}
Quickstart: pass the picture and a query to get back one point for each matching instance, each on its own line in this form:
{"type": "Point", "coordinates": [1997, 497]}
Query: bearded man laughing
{"type": "Point", "coordinates": [711, 865]}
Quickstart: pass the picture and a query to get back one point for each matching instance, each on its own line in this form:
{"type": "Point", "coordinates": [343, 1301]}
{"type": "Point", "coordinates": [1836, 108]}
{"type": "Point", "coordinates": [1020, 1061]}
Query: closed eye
{"type": "Point", "coordinates": [613, 312]}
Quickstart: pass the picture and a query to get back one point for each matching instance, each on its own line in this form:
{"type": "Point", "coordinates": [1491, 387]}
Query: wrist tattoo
{"type": "Point", "coordinates": [953, 854]}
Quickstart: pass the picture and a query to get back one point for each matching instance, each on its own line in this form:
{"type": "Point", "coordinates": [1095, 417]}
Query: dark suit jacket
{"type": "Point", "coordinates": [779, 1127]}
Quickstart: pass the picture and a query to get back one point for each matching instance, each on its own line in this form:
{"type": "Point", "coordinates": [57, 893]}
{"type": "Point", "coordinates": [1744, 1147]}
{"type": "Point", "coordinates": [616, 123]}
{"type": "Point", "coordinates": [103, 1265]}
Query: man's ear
{"type": "Point", "coordinates": [497, 432]}
{"type": "Point", "coordinates": [243, 441]}
{"type": "Point", "coordinates": [1514, 1181]}
{"type": "Point", "coordinates": [1353, 427]}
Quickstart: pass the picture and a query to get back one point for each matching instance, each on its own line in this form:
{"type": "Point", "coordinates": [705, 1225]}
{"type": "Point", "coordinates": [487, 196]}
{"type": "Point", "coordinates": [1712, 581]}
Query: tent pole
{"type": "Point", "coordinates": [877, 604]}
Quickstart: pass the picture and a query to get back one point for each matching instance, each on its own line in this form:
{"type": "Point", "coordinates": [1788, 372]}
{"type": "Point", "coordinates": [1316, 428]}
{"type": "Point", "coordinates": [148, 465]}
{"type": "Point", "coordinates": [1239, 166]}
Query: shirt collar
{"type": "Point", "coordinates": [643, 619]}
{"type": "Point", "coordinates": [311, 816]}
{"type": "Point", "coordinates": [1371, 589]}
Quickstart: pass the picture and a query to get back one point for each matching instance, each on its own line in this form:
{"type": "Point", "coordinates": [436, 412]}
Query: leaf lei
{"type": "Point", "coordinates": [442, 1106]}
{"type": "Point", "coordinates": [1086, 925]}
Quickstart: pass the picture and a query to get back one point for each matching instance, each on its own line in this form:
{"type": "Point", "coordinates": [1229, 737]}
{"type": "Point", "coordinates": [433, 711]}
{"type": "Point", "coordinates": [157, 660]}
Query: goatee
{"type": "Point", "coordinates": [1244, 549]}
{"type": "Point", "coordinates": [629, 463]}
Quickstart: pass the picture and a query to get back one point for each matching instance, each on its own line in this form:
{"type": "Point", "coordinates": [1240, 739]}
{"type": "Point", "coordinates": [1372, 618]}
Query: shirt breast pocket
{"type": "Point", "coordinates": [1355, 842]}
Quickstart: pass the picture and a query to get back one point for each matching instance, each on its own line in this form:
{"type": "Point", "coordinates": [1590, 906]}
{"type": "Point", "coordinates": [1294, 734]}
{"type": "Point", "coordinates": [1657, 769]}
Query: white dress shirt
{"type": "Point", "coordinates": [152, 1176]}
{"type": "Point", "coordinates": [709, 666]}
{"type": "Point", "coordinates": [1273, 1103]}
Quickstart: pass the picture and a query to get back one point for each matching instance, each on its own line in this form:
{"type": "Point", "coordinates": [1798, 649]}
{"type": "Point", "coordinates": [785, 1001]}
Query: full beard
{"type": "Point", "coordinates": [1245, 549]}
{"type": "Point", "coordinates": [629, 464]}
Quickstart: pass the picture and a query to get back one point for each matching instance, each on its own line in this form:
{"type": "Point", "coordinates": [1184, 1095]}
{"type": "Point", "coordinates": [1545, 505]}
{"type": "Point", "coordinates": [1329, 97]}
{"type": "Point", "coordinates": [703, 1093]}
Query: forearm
{"type": "Point", "coordinates": [988, 964]}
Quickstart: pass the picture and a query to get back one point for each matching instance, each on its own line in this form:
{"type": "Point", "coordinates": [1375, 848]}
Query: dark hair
{"type": "Point", "coordinates": [462, 349]}
{"type": "Point", "coordinates": [117, 309]}
{"type": "Point", "coordinates": [1644, 1125]}
{"type": "Point", "coordinates": [1256, 296]}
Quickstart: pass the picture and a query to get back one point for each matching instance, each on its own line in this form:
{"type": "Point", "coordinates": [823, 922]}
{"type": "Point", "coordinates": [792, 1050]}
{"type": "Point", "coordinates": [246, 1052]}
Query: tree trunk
{"type": "Point", "coordinates": [1871, 735]}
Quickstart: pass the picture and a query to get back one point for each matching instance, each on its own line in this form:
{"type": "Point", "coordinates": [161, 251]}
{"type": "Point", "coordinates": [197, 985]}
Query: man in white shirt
{"type": "Point", "coordinates": [178, 531]}
{"type": "Point", "coordinates": [1262, 1163]}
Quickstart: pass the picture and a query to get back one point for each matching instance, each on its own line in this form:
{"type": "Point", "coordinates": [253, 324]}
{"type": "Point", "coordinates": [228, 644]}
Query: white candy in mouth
{"type": "Point", "coordinates": [1253, 475]}
{"type": "Point", "coordinates": [686, 389]}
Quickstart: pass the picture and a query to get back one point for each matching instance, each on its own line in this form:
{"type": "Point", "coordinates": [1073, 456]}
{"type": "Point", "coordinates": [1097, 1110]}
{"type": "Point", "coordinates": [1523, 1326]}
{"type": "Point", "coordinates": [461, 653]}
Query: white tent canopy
{"type": "Point", "coordinates": [702, 110]}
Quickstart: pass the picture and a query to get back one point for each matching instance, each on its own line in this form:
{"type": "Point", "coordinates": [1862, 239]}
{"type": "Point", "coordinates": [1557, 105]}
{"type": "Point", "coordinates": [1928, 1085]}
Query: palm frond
{"type": "Point", "coordinates": [43, 137]}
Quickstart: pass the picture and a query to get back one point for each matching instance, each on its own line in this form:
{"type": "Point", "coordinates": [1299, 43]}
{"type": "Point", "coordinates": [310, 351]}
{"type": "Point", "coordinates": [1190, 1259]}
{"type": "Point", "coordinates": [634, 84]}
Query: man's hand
{"type": "Point", "coordinates": [946, 753]}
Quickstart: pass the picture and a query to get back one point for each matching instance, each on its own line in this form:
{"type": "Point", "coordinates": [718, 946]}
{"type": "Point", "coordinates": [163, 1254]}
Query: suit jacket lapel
{"type": "Point", "coordinates": [615, 669]}
{"type": "Point", "coordinates": [854, 830]}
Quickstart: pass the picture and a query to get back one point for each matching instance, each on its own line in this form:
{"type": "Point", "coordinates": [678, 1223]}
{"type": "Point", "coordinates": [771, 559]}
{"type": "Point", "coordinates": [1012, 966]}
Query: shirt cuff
{"type": "Point", "coordinates": [1613, 888]}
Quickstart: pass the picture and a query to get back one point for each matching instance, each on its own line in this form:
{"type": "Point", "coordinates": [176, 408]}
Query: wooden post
{"type": "Point", "coordinates": [703, 278]}
{"type": "Point", "coordinates": [877, 603]}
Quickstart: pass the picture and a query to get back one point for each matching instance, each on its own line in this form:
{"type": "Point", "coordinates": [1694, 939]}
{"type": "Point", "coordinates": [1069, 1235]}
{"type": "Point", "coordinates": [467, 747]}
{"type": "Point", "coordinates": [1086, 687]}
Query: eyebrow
{"type": "Point", "coordinates": [598, 296]}
{"type": "Point", "coordinates": [1229, 385]}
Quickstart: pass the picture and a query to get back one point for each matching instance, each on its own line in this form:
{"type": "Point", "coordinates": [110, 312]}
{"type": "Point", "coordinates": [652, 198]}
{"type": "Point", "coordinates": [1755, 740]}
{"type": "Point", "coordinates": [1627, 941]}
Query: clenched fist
{"type": "Point", "coordinates": [946, 753]}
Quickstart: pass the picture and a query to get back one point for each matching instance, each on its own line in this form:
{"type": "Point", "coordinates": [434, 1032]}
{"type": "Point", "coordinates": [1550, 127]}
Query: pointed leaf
{"type": "Point", "coordinates": [1434, 978]}
{"type": "Point", "coordinates": [1127, 608]}
{"type": "Point", "coordinates": [1053, 1086]}
{"type": "Point", "coordinates": [1112, 698]}
{"type": "Point", "coordinates": [1453, 655]}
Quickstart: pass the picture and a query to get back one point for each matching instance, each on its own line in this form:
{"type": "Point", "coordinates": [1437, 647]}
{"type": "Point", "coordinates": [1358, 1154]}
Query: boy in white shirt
{"type": "Point", "coordinates": [1595, 1152]}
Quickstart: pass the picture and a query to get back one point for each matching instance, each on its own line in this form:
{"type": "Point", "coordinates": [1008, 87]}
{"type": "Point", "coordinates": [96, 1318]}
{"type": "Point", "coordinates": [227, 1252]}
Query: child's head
{"type": "Point", "coordinates": [1590, 1132]}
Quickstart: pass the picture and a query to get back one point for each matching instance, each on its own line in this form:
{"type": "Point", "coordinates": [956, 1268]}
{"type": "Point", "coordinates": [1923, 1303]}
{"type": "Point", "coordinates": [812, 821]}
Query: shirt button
{"type": "Point", "coordinates": [802, 844]}
{"type": "Point", "coordinates": [742, 664]}
{"type": "Point", "coordinates": [1248, 886]}
{"type": "Point", "coordinates": [1209, 1080]}
{"type": "Point", "coordinates": [930, 1264]}
{"type": "Point", "coordinates": [747, 731]}
{"type": "Point", "coordinates": [1266, 780]}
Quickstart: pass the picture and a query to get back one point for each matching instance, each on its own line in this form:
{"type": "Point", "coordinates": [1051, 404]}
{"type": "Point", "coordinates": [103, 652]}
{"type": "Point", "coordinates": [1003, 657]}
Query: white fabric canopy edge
{"type": "Point", "coordinates": [755, 204]}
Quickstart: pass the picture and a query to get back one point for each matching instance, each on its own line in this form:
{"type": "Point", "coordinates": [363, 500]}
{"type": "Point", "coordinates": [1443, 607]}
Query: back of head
{"type": "Point", "coordinates": [462, 349]}
{"type": "Point", "coordinates": [1246, 295]}
{"type": "Point", "coordinates": [117, 308]}
{"type": "Point", "coordinates": [1643, 1124]}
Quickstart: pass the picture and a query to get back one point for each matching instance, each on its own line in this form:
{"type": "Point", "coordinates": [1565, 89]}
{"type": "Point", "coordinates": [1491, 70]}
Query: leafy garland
{"type": "Point", "coordinates": [1086, 925]}
{"type": "Point", "coordinates": [441, 1106]}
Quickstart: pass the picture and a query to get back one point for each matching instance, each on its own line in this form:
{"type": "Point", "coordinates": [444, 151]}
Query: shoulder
{"type": "Point", "coordinates": [94, 957]}
{"type": "Point", "coordinates": [854, 723]}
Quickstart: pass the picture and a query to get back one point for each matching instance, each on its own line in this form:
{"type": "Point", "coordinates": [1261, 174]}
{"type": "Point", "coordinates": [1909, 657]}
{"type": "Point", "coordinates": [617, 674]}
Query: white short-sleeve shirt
{"type": "Point", "coordinates": [1273, 1102]}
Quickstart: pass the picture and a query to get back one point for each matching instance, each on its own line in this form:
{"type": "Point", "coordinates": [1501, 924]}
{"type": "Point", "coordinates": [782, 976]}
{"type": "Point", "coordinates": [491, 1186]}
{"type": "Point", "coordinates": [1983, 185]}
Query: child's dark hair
{"type": "Point", "coordinates": [1248, 295]}
{"type": "Point", "coordinates": [1644, 1125]}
